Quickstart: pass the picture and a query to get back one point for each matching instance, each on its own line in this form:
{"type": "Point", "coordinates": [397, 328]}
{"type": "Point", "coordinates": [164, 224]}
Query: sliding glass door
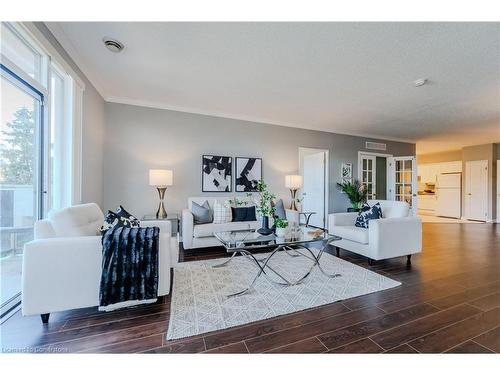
{"type": "Point", "coordinates": [21, 146]}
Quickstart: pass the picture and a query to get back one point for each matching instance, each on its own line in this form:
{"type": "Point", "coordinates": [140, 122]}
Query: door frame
{"type": "Point", "coordinates": [310, 150]}
{"type": "Point", "coordinates": [360, 168]}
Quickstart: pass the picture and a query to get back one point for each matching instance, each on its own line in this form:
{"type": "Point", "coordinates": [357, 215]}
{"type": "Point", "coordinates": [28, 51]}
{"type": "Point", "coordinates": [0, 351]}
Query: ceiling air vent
{"type": "Point", "coordinates": [375, 146]}
{"type": "Point", "coordinates": [113, 45]}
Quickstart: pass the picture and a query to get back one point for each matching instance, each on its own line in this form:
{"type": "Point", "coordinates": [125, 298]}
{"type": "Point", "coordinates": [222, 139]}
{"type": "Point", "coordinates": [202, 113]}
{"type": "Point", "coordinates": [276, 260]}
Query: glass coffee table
{"type": "Point", "coordinates": [249, 242]}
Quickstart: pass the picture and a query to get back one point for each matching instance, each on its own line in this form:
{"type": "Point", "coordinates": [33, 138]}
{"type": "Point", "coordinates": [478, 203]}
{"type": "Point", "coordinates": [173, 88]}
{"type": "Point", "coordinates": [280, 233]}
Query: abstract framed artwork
{"type": "Point", "coordinates": [248, 174]}
{"type": "Point", "coordinates": [346, 172]}
{"type": "Point", "coordinates": [216, 173]}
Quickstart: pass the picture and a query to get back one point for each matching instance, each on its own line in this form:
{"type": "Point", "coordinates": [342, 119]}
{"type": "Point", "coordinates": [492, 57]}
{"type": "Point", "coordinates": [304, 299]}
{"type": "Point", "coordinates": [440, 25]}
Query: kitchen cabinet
{"type": "Point", "coordinates": [428, 172]}
{"type": "Point", "coordinates": [427, 203]}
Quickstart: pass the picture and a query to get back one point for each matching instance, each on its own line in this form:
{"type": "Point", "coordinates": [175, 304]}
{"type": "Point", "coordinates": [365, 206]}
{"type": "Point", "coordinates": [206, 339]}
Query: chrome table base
{"type": "Point", "coordinates": [263, 265]}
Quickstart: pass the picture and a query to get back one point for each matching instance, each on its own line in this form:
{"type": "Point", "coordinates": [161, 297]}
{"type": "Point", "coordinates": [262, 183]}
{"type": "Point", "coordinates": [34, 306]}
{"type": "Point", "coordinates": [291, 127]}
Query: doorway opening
{"type": "Point", "coordinates": [313, 166]}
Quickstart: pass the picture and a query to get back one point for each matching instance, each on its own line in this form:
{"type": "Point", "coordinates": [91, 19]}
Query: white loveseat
{"type": "Point", "coordinates": [62, 265]}
{"type": "Point", "coordinates": [202, 235]}
{"type": "Point", "coordinates": [398, 233]}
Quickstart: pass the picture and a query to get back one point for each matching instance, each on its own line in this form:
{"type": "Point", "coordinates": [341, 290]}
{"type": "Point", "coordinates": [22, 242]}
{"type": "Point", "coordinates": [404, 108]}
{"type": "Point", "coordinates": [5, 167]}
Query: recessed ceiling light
{"type": "Point", "coordinates": [420, 82]}
{"type": "Point", "coordinates": [113, 45]}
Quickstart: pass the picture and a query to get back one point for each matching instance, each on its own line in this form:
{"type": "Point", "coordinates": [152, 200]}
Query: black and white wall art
{"type": "Point", "coordinates": [248, 173]}
{"type": "Point", "coordinates": [346, 172]}
{"type": "Point", "coordinates": [216, 173]}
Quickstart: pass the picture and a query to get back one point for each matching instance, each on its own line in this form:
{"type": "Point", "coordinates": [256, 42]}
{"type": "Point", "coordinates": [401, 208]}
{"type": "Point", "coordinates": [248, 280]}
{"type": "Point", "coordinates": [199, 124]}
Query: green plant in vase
{"type": "Point", "coordinates": [264, 206]}
{"type": "Point", "coordinates": [355, 191]}
{"type": "Point", "coordinates": [281, 227]}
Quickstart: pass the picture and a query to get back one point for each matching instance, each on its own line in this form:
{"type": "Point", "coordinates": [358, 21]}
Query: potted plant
{"type": "Point", "coordinates": [264, 207]}
{"type": "Point", "coordinates": [281, 227]}
{"type": "Point", "coordinates": [355, 191]}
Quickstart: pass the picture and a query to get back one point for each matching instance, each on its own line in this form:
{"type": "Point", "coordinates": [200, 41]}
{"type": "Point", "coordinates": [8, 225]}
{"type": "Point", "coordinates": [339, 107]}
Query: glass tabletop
{"type": "Point", "coordinates": [251, 239]}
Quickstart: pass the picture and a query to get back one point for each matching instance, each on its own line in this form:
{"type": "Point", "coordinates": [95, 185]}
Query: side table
{"type": "Point", "coordinates": [307, 216]}
{"type": "Point", "coordinates": [174, 219]}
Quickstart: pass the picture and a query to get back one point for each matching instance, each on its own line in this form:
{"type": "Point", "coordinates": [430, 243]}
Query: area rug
{"type": "Point", "coordinates": [199, 295]}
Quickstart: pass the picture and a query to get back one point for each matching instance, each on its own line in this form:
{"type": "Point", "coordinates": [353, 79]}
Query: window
{"type": "Point", "coordinates": [40, 130]}
{"type": "Point", "coordinates": [16, 47]}
{"type": "Point", "coordinates": [20, 171]}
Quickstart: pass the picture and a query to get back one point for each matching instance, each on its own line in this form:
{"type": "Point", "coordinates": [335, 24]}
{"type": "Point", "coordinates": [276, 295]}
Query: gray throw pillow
{"type": "Point", "coordinates": [279, 210]}
{"type": "Point", "coordinates": [201, 214]}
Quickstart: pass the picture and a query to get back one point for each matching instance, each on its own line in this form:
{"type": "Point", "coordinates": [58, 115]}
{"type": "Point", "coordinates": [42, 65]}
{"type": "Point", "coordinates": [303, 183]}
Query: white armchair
{"type": "Point", "coordinates": [62, 265]}
{"type": "Point", "coordinates": [396, 234]}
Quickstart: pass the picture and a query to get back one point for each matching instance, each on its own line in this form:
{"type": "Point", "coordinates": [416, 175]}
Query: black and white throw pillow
{"type": "Point", "coordinates": [120, 218]}
{"type": "Point", "coordinates": [127, 219]}
{"type": "Point", "coordinates": [368, 213]}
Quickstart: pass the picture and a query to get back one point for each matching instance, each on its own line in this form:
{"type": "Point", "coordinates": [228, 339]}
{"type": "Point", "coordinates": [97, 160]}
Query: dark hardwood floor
{"type": "Point", "coordinates": [449, 303]}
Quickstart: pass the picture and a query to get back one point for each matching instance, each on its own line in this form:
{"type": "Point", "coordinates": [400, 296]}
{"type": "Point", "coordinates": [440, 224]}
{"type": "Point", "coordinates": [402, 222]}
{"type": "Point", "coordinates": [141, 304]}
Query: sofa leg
{"type": "Point", "coordinates": [337, 249]}
{"type": "Point", "coordinates": [371, 262]}
{"type": "Point", "coordinates": [408, 260]}
{"type": "Point", "coordinates": [45, 318]}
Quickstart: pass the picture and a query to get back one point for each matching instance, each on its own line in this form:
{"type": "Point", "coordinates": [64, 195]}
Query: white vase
{"type": "Point", "coordinates": [281, 232]}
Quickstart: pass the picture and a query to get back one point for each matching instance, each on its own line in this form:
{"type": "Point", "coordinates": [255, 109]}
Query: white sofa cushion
{"type": "Point", "coordinates": [207, 230]}
{"type": "Point", "coordinates": [222, 212]}
{"type": "Point", "coordinates": [392, 209]}
{"type": "Point", "coordinates": [351, 233]}
{"type": "Point", "coordinates": [76, 221]}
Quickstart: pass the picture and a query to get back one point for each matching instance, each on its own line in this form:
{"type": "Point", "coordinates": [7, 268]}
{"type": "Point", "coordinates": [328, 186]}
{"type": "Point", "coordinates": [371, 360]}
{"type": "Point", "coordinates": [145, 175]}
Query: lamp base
{"type": "Point", "coordinates": [293, 206]}
{"type": "Point", "coordinates": [161, 213]}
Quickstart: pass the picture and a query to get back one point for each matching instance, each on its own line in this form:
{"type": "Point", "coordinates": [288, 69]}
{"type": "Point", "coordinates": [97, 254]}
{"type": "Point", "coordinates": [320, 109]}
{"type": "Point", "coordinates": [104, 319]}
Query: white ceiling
{"type": "Point", "coordinates": [352, 78]}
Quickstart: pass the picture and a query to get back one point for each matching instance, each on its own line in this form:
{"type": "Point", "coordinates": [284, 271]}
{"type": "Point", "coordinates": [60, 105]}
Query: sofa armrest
{"type": "Point", "coordinates": [61, 273]}
{"type": "Point", "coordinates": [187, 228]}
{"type": "Point", "coordinates": [65, 273]}
{"type": "Point", "coordinates": [394, 237]}
{"type": "Point", "coordinates": [164, 225]}
{"type": "Point", "coordinates": [292, 216]}
{"type": "Point", "coordinates": [341, 219]}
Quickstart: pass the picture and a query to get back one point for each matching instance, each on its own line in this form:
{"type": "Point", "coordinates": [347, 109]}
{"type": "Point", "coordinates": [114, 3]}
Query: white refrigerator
{"type": "Point", "coordinates": [449, 195]}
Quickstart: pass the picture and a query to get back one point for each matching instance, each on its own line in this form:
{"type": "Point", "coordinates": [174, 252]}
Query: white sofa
{"type": "Point", "coordinates": [62, 265]}
{"type": "Point", "coordinates": [201, 235]}
{"type": "Point", "coordinates": [398, 233]}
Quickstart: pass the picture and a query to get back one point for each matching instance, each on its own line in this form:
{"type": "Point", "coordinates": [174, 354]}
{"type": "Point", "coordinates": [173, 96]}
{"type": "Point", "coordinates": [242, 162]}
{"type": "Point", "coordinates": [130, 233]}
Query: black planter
{"type": "Point", "coordinates": [352, 209]}
{"type": "Point", "coordinates": [265, 230]}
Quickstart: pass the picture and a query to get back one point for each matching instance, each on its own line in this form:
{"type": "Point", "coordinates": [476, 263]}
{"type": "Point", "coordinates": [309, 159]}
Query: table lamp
{"type": "Point", "coordinates": [161, 178]}
{"type": "Point", "coordinates": [294, 183]}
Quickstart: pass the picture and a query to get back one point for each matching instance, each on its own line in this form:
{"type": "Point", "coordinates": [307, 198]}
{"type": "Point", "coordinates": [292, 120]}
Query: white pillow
{"type": "Point", "coordinates": [222, 212]}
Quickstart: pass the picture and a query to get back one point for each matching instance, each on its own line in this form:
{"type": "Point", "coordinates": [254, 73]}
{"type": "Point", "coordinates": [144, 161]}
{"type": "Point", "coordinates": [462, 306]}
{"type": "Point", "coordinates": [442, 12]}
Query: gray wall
{"type": "Point", "coordinates": [92, 129]}
{"type": "Point", "coordinates": [139, 138]}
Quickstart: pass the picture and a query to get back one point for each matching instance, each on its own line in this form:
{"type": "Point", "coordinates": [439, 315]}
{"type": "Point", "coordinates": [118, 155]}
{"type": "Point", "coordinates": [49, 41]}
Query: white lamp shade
{"type": "Point", "coordinates": [161, 177]}
{"type": "Point", "coordinates": [293, 181]}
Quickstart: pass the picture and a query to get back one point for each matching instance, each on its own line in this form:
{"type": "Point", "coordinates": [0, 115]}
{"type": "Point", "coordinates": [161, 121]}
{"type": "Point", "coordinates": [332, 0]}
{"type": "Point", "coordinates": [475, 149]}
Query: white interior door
{"type": "Point", "coordinates": [476, 190]}
{"type": "Point", "coordinates": [402, 172]}
{"type": "Point", "coordinates": [367, 174]}
{"type": "Point", "coordinates": [314, 187]}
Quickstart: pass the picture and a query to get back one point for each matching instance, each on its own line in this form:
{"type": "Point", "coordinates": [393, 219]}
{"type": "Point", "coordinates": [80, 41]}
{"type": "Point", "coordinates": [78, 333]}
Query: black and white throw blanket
{"type": "Point", "coordinates": [129, 267]}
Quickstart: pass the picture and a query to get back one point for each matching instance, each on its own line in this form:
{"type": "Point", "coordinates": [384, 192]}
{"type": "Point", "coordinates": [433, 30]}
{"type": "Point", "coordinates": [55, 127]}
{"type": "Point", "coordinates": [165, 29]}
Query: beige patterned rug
{"type": "Point", "coordinates": [199, 295]}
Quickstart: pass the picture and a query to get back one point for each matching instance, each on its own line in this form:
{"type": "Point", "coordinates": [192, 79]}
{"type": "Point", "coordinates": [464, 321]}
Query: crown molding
{"type": "Point", "coordinates": [157, 105]}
